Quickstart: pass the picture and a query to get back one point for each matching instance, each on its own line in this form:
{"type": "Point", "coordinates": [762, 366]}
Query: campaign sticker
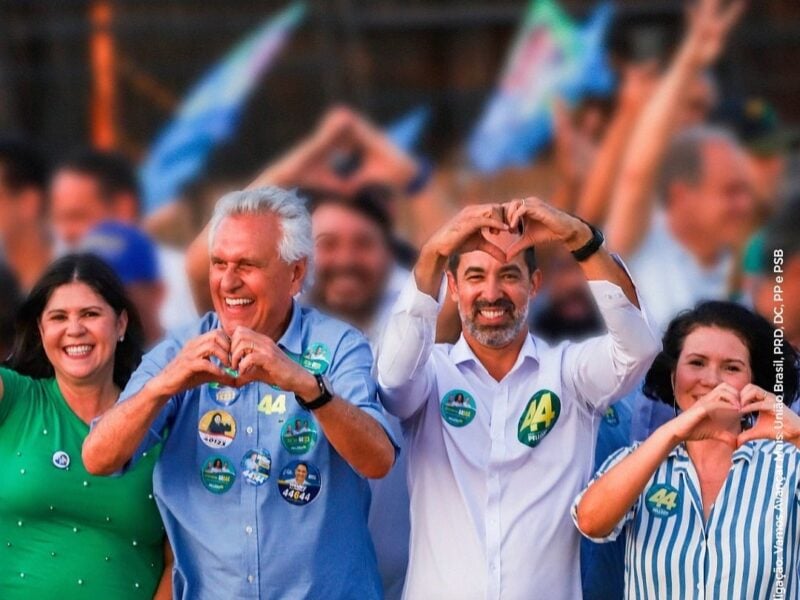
{"type": "Point", "coordinates": [316, 358]}
{"type": "Point", "coordinates": [299, 482]}
{"type": "Point", "coordinates": [662, 500]}
{"type": "Point", "coordinates": [611, 417]}
{"type": "Point", "coordinates": [458, 408]}
{"type": "Point", "coordinates": [256, 466]}
{"type": "Point", "coordinates": [299, 435]}
{"type": "Point", "coordinates": [538, 418]}
{"type": "Point", "coordinates": [218, 474]}
{"type": "Point", "coordinates": [217, 428]}
{"type": "Point", "coordinates": [60, 459]}
{"type": "Point", "coordinates": [223, 394]}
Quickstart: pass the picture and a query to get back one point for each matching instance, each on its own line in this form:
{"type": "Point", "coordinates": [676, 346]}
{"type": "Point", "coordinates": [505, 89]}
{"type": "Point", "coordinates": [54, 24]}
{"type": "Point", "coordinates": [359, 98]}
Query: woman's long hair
{"type": "Point", "coordinates": [28, 356]}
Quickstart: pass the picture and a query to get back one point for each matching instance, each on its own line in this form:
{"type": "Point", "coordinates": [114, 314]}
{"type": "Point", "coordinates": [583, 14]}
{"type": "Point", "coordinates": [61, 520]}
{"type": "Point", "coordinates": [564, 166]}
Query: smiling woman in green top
{"type": "Point", "coordinates": [64, 533]}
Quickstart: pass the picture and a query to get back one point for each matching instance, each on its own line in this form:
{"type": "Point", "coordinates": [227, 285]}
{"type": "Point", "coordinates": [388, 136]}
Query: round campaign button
{"type": "Point", "coordinates": [458, 408]}
{"type": "Point", "coordinates": [316, 358]}
{"type": "Point", "coordinates": [299, 434]}
{"type": "Point", "coordinates": [299, 482]}
{"type": "Point", "coordinates": [218, 474]}
{"type": "Point", "coordinates": [217, 428]}
{"type": "Point", "coordinates": [256, 465]}
{"type": "Point", "coordinates": [222, 394]}
{"type": "Point", "coordinates": [60, 459]}
{"type": "Point", "coordinates": [539, 417]}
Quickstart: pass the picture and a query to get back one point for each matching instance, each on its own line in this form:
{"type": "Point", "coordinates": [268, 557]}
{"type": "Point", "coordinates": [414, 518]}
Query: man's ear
{"type": "Point", "coordinates": [299, 268]}
{"type": "Point", "coordinates": [452, 286]}
{"type": "Point", "coordinates": [536, 282]}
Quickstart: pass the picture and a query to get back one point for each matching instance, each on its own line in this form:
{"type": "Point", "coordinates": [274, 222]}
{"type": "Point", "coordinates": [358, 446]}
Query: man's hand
{"type": "Point", "coordinates": [709, 25]}
{"type": "Point", "coordinates": [463, 232]}
{"type": "Point", "coordinates": [193, 367]}
{"type": "Point", "coordinates": [542, 223]}
{"type": "Point", "coordinates": [258, 358]}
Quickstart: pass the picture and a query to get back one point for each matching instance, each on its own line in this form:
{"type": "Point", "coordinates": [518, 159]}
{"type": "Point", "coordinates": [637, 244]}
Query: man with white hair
{"type": "Point", "coordinates": [264, 361]}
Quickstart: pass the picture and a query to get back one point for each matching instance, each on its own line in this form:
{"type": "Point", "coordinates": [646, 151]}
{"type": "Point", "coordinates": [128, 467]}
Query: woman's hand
{"type": "Point", "coordinates": [704, 420]}
{"type": "Point", "coordinates": [769, 423]}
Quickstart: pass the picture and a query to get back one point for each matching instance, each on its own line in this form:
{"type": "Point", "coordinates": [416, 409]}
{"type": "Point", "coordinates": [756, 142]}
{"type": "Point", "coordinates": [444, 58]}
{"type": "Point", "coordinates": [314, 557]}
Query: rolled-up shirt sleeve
{"type": "Point", "coordinates": [605, 368]}
{"type": "Point", "coordinates": [351, 380]}
{"type": "Point", "coordinates": [405, 373]}
{"type": "Point", "coordinates": [609, 463]}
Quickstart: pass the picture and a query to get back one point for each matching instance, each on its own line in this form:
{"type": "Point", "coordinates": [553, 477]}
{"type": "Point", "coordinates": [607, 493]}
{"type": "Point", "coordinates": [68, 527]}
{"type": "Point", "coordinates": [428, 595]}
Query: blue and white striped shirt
{"type": "Point", "coordinates": [747, 550]}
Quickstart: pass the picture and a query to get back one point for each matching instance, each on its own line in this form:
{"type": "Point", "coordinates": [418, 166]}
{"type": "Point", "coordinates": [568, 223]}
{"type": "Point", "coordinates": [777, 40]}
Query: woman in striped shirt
{"type": "Point", "coordinates": [710, 506]}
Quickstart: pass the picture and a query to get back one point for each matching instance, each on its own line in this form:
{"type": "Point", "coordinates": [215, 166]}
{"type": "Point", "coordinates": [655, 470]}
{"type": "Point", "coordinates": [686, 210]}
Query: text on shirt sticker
{"type": "Point", "coordinates": [662, 500]}
{"type": "Point", "coordinates": [272, 404]}
{"type": "Point", "coordinates": [458, 408]}
{"type": "Point", "coordinates": [538, 418]}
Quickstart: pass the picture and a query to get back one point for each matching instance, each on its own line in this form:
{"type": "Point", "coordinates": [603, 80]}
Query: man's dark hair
{"type": "Point", "coordinates": [113, 172]}
{"type": "Point", "coordinates": [10, 301]}
{"type": "Point", "coordinates": [529, 254]}
{"type": "Point", "coordinates": [363, 202]}
{"type": "Point", "coordinates": [21, 165]}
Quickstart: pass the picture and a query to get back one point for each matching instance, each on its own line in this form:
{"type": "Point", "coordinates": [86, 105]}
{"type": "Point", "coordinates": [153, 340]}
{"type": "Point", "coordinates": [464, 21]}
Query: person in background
{"type": "Point", "coordinates": [10, 300]}
{"type": "Point", "coordinates": [66, 533]}
{"type": "Point", "coordinates": [133, 257]}
{"type": "Point", "coordinates": [715, 503]}
{"type": "Point", "coordinates": [92, 187]}
{"type": "Point", "coordinates": [26, 241]}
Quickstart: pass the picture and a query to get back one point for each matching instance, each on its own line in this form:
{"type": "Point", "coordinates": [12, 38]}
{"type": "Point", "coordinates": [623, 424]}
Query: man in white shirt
{"type": "Point", "coordinates": [491, 482]}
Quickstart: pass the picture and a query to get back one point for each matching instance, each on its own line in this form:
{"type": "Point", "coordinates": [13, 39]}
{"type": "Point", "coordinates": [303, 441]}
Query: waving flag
{"type": "Point", "coordinates": [211, 112]}
{"type": "Point", "coordinates": [550, 57]}
{"type": "Point", "coordinates": [405, 131]}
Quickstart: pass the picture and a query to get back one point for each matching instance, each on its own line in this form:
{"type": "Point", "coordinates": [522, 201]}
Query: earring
{"type": "Point", "coordinates": [122, 338]}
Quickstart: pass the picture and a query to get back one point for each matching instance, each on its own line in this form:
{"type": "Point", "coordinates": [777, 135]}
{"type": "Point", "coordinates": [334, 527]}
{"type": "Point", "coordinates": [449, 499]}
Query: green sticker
{"type": "Point", "coordinates": [299, 435]}
{"type": "Point", "coordinates": [458, 408]}
{"type": "Point", "coordinates": [538, 418]}
{"type": "Point", "coordinates": [218, 474]}
{"type": "Point", "coordinates": [610, 416]}
{"type": "Point", "coordinates": [316, 358]}
{"type": "Point", "coordinates": [662, 500]}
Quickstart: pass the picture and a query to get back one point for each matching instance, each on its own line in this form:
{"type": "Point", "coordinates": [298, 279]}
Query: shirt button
{"type": "Point", "coordinates": [248, 530]}
{"type": "Point", "coordinates": [250, 578]}
{"type": "Point", "coordinates": [249, 430]}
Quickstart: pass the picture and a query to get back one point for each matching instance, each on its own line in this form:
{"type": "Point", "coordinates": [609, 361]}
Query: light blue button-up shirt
{"type": "Point", "coordinates": [241, 521]}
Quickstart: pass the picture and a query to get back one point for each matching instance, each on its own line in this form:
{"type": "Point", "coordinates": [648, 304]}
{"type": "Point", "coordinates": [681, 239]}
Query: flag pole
{"type": "Point", "coordinates": [103, 100]}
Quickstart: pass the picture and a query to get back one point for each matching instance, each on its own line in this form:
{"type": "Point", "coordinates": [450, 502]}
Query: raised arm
{"type": "Point", "coordinates": [632, 201]}
{"type": "Point", "coordinates": [404, 370]}
{"type": "Point", "coordinates": [637, 86]}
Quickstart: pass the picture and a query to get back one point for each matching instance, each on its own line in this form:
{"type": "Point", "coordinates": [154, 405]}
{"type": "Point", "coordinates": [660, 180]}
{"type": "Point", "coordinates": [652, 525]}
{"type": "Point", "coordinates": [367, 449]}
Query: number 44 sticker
{"type": "Point", "coordinates": [272, 404]}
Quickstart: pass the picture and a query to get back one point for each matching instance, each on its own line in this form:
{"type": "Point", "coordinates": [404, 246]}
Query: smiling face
{"type": "Point", "coordinates": [352, 261]}
{"type": "Point", "coordinates": [251, 285]}
{"type": "Point", "coordinates": [710, 356]}
{"type": "Point", "coordinates": [492, 297]}
{"type": "Point", "coordinates": [79, 331]}
{"type": "Point", "coordinates": [300, 473]}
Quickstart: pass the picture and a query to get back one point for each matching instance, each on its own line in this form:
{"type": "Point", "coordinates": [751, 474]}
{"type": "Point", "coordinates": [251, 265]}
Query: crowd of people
{"type": "Point", "coordinates": [350, 386]}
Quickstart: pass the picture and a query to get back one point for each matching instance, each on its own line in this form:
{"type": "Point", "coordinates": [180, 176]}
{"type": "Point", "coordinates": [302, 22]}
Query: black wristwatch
{"type": "Point", "coordinates": [325, 394]}
{"type": "Point", "coordinates": [590, 247]}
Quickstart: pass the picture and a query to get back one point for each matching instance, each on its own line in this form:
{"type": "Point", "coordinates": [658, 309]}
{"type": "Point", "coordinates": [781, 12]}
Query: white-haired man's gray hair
{"type": "Point", "coordinates": [296, 241]}
{"type": "Point", "coordinates": [684, 161]}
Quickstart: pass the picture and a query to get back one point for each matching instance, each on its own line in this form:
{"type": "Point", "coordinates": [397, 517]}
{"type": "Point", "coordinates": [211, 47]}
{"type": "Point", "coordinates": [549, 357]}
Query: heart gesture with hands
{"type": "Point", "coordinates": [768, 424]}
{"type": "Point", "coordinates": [244, 357]}
{"type": "Point", "coordinates": [707, 418]}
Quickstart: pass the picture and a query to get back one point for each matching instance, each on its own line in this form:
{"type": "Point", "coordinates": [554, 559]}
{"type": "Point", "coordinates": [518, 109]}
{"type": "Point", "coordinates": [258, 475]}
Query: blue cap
{"type": "Point", "coordinates": [129, 252]}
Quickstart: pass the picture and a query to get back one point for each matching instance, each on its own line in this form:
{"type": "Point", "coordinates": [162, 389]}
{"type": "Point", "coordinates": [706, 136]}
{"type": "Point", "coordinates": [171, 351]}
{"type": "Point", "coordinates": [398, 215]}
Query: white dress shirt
{"type": "Point", "coordinates": [490, 514]}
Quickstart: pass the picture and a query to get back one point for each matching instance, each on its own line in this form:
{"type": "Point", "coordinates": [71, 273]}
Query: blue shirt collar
{"type": "Point", "coordinates": [292, 338]}
{"type": "Point", "coordinates": [681, 456]}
